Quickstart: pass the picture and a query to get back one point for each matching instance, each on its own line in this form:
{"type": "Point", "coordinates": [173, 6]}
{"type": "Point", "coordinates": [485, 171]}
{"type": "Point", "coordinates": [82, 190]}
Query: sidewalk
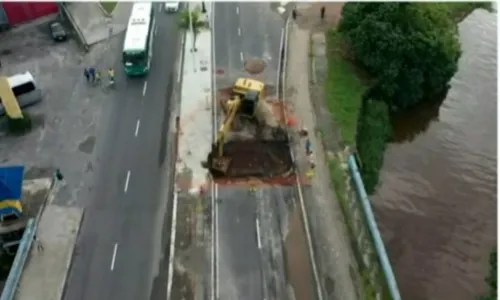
{"type": "Point", "coordinates": [94, 25]}
{"type": "Point", "coordinates": [44, 274]}
{"type": "Point", "coordinates": [196, 128]}
{"type": "Point", "coordinates": [331, 243]}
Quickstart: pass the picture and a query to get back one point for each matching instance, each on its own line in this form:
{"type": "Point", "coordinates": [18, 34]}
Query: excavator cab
{"type": "Point", "coordinates": [249, 91]}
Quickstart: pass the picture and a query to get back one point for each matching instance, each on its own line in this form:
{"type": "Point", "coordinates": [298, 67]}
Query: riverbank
{"type": "Point", "coordinates": [343, 97]}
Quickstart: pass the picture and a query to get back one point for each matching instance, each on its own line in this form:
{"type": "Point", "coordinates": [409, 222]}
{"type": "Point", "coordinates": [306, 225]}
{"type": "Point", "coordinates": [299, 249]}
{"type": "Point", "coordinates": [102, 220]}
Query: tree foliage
{"type": "Point", "coordinates": [491, 278]}
{"type": "Point", "coordinates": [412, 49]}
{"type": "Point", "coordinates": [196, 19]}
{"type": "Point", "coordinates": [374, 129]}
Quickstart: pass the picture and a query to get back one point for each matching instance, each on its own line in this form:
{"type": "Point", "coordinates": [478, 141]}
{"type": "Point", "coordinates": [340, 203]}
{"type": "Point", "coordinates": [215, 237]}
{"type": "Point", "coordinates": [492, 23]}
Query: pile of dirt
{"type": "Point", "coordinates": [255, 65]}
{"type": "Point", "coordinates": [255, 158]}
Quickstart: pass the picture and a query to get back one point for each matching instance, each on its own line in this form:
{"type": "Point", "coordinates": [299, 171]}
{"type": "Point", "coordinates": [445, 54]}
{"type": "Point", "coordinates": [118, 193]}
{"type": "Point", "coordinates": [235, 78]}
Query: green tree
{"type": "Point", "coordinates": [491, 278]}
{"type": "Point", "coordinates": [197, 22]}
{"type": "Point", "coordinates": [411, 49]}
{"type": "Point", "coordinates": [373, 132]}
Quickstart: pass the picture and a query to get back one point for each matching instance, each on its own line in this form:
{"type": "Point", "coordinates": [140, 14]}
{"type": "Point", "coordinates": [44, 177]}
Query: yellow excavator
{"type": "Point", "coordinates": [245, 97]}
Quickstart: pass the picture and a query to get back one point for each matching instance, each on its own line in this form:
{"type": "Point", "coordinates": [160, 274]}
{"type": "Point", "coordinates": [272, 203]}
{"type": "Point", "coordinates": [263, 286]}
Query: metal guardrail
{"type": "Point", "coordinates": [18, 265]}
{"type": "Point", "coordinates": [16, 270]}
{"type": "Point", "coordinates": [369, 243]}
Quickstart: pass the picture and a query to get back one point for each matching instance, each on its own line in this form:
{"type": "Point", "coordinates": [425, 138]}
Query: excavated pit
{"type": "Point", "coordinates": [257, 149]}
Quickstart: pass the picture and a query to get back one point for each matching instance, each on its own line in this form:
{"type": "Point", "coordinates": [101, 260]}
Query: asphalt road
{"type": "Point", "coordinates": [245, 30]}
{"type": "Point", "coordinates": [118, 249]}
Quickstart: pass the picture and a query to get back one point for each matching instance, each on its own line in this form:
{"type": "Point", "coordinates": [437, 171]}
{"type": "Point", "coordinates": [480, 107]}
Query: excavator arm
{"type": "Point", "coordinates": [233, 106]}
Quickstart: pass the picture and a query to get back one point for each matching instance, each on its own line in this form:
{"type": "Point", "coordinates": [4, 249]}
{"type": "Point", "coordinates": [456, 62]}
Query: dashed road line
{"type": "Point", "coordinates": [137, 125]}
{"type": "Point", "coordinates": [241, 56]}
{"type": "Point", "coordinates": [144, 88]}
{"type": "Point", "coordinates": [259, 245]}
{"type": "Point", "coordinates": [237, 10]}
{"type": "Point", "coordinates": [126, 181]}
{"type": "Point", "coordinates": [239, 31]}
{"type": "Point", "coordinates": [115, 248]}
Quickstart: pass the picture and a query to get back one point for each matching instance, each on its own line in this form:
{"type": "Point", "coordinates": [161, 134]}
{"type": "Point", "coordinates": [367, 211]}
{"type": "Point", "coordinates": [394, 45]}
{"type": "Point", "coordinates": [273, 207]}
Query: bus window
{"type": "Point", "coordinates": [23, 88]}
{"type": "Point", "coordinates": [134, 58]}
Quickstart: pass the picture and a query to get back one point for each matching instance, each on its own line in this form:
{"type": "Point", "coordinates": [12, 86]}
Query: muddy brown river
{"type": "Point", "coordinates": [437, 205]}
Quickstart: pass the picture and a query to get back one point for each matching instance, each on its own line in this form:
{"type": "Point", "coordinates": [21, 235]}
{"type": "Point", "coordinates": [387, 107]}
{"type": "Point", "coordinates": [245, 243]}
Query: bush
{"type": "Point", "coordinates": [20, 126]}
{"type": "Point", "coordinates": [374, 129]}
{"type": "Point", "coordinates": [491, 279]}
{"type": "Point", "coordinates": [412, 49]}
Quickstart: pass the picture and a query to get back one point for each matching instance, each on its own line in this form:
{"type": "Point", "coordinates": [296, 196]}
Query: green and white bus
{"type": "Point", "coordinates": [138, 44]}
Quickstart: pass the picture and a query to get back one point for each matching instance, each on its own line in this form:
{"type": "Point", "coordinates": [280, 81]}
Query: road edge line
{"type": "Point", "coordinates": [173, 225]}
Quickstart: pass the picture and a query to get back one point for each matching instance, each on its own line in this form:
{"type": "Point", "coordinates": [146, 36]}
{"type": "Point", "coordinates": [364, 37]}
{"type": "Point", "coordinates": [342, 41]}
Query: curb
{"type": "Point", "coordinates": [68, 16]}
{"type": "Point", "coordinates": [70, 263]}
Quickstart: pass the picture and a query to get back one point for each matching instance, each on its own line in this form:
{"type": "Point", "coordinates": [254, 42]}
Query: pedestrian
{"type": "Point", "coordinates": [38, 243]}
{"type": "Point", "coordinates": [98, 76]}
{"type": "Point", "coordinates": [59, 175]}
{"type": "Point", "coordinates": [294, 13]}
{"type": "Point", "coordinates": [322, 12]}
{"type": "Point", "coordinates": [92, 74]}
{"type": "Point", "coordinates": [308, 147]}
{"type": "Point", "coordinates": [86, 74]}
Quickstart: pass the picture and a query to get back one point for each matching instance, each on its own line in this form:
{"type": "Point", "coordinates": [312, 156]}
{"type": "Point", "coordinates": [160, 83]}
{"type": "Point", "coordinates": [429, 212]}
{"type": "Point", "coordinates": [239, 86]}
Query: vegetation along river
{"type": "Point", "coordinates": [436, 205]}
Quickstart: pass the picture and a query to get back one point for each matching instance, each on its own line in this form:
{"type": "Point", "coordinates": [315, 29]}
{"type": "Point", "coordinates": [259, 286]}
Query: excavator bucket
{"type": "Point", "coordinates": [221, 164]}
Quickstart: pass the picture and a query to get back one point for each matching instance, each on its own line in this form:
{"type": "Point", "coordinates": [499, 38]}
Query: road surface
{"type": "Point", "coordinates": [118, 251]}
{"type": "Point", "coordinates": [249, 258]}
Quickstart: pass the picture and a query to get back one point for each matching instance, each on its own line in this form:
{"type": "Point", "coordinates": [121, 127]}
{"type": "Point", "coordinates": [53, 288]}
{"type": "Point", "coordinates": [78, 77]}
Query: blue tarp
{"type": "Point", "coordinates": [11, 182]}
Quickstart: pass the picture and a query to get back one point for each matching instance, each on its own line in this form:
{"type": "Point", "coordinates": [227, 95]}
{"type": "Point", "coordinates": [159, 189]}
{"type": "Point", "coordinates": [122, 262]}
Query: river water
{"type": "Point", "coordinates": [437, 205]}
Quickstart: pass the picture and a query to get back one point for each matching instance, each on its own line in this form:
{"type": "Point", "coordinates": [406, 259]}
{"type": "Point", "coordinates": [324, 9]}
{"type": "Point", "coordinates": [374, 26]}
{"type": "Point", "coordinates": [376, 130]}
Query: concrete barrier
{"type": "Point", "coordinates": [66, 15]}
{"type": "Point", "coordinates": [369, 244]}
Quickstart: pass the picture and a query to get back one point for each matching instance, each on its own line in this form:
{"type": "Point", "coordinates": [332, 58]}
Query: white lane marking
{"type": "Point", "coordinates": [237, 10]}
{"type": "Point", "coordinates": [115, 248]}
{"type": "Point", "coordinates": [144, 88]}
{"type": "Point", "coordinates": [259, 245]}
{"type": "Point", "coordinates": [126, 181]}
{"type": "Point", "coordinates": [241, 56]}
{"type": "Point", "coordinates": [137, 127]}
{"type": "Point", "coordinates": [239, 31]}
{"type": "Point", "coordinates": [156, 30]}
{"type": "Point", "coordinates": [173, 232]}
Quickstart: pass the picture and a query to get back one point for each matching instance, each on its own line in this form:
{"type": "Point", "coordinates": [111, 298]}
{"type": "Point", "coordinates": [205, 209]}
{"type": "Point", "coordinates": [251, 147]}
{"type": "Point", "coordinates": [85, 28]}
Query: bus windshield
{"type": "Point", "coordinates": [134, 58]}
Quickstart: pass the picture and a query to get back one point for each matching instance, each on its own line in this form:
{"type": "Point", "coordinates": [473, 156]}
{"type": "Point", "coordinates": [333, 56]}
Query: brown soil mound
{"type": "Point", "coordinates": [252, 158]}
{"type": "Point", "coordinates": [255, 65]}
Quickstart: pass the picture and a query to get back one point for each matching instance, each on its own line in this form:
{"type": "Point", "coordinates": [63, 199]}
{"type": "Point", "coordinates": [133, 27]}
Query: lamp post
{"type": "Point", "coordinates": [192, 29]}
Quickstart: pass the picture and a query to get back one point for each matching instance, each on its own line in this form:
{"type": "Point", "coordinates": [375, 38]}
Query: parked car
{"type": "Point", "coordinates": [171, 6]}
{"type": "Point", "coordinates": [57, 31]}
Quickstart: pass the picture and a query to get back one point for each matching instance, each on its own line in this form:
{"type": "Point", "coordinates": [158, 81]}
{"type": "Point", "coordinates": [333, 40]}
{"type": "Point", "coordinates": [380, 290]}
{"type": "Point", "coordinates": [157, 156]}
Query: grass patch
{"type": "Point", "coordinates": [343, 89]}
{"type": "Point", "coordinates": [109, 6]}
{"type": "Point", "coordinates": [338, 178]}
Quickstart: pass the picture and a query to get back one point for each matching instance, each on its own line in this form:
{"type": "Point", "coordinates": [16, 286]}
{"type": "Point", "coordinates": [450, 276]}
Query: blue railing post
{"type": "Point", "coordinates": [372, 226]}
